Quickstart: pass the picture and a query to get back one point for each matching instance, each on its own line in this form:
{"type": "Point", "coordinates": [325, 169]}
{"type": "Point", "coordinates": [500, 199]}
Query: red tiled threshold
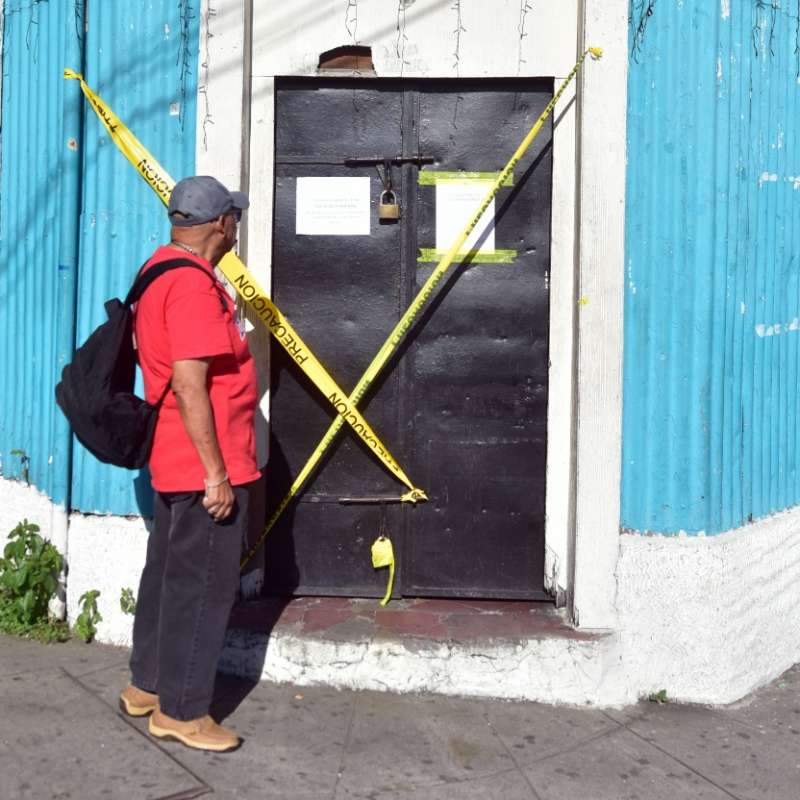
{"type": "Point", "coordinates": [436, 620]}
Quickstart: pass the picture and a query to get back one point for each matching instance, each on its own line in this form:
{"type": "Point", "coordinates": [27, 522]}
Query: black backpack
{"type": "Point", "coordinates": [96, 388]}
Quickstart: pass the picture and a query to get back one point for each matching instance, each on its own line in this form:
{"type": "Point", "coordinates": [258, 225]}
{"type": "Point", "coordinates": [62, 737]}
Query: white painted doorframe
{"type": "Point", "coordinates": [585, 382]}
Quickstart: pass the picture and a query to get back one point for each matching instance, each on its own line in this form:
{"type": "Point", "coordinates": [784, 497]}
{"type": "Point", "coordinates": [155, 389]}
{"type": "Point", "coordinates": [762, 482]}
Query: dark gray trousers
{"type": "Point", "coordinates": [188, 586]}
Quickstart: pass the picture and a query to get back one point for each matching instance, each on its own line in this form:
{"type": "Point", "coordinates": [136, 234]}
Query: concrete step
{"type": "Point", "coordinates": [512, 650]}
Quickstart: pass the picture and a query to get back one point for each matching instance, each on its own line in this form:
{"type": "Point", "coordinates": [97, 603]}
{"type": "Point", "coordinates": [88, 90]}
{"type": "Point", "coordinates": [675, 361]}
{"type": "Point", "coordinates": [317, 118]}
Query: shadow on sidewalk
{"type": "Point", "coordinates": [229, 693]}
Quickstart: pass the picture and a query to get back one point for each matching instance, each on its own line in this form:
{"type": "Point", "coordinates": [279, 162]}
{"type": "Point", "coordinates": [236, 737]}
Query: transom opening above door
{"type": "Point", "coordinates": [347, 58]}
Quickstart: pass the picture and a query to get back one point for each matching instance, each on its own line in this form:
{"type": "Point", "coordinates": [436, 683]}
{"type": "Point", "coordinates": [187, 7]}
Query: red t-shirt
{"type": "Point", "coordinates": [181, 316]}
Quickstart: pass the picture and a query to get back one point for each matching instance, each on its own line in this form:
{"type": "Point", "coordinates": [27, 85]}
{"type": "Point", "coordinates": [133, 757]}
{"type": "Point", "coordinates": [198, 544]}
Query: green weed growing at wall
{"type": "Point", "coordinates": [29, 573]}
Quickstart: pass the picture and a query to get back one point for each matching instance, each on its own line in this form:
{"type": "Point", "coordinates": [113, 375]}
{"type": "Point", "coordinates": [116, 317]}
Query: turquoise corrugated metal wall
{"type": "Point", "coordinates": [712, 312]}
{"type": "Point", "coordinates": [142, 58]}
{"type": "Point", "coordinates": [33, 148]}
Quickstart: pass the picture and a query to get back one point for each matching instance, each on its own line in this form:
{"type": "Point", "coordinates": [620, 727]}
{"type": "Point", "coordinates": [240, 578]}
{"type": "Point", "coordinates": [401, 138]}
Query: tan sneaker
{"type": "Point", "coordinates": [137, 703]}
{"type": "Point", "coordinates": [202, 733]}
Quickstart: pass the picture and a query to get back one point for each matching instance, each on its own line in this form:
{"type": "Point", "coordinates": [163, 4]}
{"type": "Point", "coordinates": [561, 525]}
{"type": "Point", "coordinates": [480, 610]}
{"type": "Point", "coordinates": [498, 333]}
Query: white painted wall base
{"type": "Point", "coordinates": [19, 502]}
{"type": "Point", "coordinates": [709, 619]}
{"type": "Point", "coordinates": [103, 552]}
{"type": "Point", "coordinates": [106, 553]}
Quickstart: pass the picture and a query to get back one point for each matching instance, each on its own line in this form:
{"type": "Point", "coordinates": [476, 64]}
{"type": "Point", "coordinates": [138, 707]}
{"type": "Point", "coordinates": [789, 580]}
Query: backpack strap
{"type": "Point", "coordinates": [143, 281]}
{"type": "Point", "coordinates": [165, 392]}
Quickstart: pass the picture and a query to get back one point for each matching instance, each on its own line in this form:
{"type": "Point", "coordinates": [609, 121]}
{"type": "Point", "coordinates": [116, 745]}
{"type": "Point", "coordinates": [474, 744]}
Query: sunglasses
{"type": "Point", "coordinates": [236, 213]}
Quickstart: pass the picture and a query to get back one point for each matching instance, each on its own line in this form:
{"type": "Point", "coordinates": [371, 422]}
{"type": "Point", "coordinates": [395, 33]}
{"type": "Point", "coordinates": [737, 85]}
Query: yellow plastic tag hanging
{"type": "Point", "coordinates": [383, 556]}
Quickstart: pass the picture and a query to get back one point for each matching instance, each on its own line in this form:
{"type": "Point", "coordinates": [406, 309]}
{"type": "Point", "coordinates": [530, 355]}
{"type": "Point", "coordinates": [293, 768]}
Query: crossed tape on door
{"type": "Point", "coordinates": [407, 319]}
{"type": "Point", "coordinates": [248, 288]}
{"type": "Point", "coordinates": [234, 270]}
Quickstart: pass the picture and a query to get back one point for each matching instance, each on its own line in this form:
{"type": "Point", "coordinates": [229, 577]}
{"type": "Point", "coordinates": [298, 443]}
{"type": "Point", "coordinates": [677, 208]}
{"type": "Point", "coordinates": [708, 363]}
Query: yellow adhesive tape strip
{"type": "Point", "coordinates": [432, 177]}
{"type": "Point", "coordinates": [428, 256]}
{"type": "Point", "coordinates": [407, 320]}
{"type": "Point", "coordinates": [246, 285]}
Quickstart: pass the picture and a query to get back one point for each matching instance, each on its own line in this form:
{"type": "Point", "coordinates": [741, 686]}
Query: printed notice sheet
{"type": "Point", "coordinates": [333, 207]}
{"type": "Point", "coordinates": [456, 202]}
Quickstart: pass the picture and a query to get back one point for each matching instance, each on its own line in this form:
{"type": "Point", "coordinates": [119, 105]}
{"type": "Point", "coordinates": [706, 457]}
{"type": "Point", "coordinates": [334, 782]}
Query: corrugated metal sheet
{"type": "Point", "coordinates": [142, 59]}
{"type": "Point", "coordinates": [32, 140]}
{"type": "Point", "coordinates": [712, 315]}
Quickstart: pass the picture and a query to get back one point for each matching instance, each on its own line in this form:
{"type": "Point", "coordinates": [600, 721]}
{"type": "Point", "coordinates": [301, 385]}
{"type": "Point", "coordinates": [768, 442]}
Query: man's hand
{"type": "Point", "coordinates": [219, 501]}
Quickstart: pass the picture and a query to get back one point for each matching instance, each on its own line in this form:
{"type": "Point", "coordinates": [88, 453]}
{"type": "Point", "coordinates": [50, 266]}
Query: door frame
{"type": "Point", "coordinates": [587, 248]}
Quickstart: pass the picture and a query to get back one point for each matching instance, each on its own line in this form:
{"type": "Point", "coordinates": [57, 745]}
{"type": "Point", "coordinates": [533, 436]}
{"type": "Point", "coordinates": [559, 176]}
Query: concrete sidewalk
{"type": "Point", "coordinates": [61, 736]}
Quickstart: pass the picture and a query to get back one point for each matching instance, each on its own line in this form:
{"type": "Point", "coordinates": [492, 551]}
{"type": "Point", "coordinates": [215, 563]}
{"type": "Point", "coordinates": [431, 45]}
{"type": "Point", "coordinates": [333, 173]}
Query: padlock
{"type": "Point", "coordinates": [388, 208]}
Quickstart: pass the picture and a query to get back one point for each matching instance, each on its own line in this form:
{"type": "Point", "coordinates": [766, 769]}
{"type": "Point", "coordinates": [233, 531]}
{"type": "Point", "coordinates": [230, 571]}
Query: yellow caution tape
{"type": "Point", "coordinates": [383, 556]}
{"type": "Point", "coordinates": [407, 320]}
{"type": "Point", "coordinates": [431, 177]}
{"type": "Point", "coordinates": [246, 285]}
{"type": "Point", "coordinates": [428, 255]}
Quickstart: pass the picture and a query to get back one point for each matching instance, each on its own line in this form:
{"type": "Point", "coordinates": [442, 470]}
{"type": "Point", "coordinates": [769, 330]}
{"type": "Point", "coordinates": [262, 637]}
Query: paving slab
{"type": "Point", "coordinates": [619, 766]}
{"type": "Point", "coordinates": [310, 742]}
{"type": "Point", "coordinates": [747, 760]}
{"type": "Point", "coordinates": [403, 744]}
{"type": "Point", "coordinates": [21, 656]}
{"type": "Point", "coordinates": [504, 786]}
{"type": "Point", "coordinates": [293, 738]}
{"type": "Point", "coordinates": [59, 741]}
{"type": "Point", "coordinates": [532, 731]}
{"type": "Point", "coordinates": [775, 707]}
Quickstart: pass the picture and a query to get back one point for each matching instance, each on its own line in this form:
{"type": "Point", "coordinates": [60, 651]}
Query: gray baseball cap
{"type": "Point", "coordinates": [201, 199]}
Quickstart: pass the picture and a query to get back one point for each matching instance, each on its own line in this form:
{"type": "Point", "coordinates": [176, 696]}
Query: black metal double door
{"type": "Point", "coordinates": [462, 405]}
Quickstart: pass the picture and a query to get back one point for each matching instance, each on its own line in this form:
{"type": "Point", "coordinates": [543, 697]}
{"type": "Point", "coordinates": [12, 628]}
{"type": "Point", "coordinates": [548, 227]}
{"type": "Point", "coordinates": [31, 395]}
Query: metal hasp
{"type": "Point", "coordinates": [374, 501]}
{"type": "Point", "coordinates": [335, 160]}
{"type": "Point", "coordinates": [388, 206]}
{"type": "Point", "coordinates": [394, 160]}
{"type": "Point", "coordinates": [463, 403]}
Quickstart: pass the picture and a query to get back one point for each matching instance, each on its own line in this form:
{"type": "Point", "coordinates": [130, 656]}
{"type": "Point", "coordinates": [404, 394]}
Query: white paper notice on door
{"type": "Point", "coordinates": [456, 203]}
{"type": "Point", "coordinates": [333, 207]}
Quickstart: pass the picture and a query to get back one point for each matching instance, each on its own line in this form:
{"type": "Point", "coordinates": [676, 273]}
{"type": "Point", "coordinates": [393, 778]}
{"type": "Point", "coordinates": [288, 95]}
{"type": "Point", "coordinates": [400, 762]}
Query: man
{"type": "Point", "coordinates": [203, 465]}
